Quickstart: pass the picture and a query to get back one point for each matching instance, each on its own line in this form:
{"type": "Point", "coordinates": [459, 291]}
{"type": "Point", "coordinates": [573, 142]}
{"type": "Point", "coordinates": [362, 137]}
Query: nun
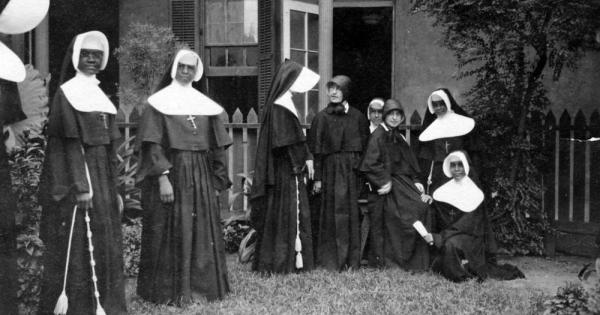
{"type": "Point", "coordinates": [463, 227]}
{"type": "Point", "coordinates": [81, 220]}
{"type": "Point", "coordinates": [399, 226]}
{"type": "Point", "coordinates": [16, 16]}
{"type": "Point", "coordinates": [182, 143]}
{"type": "Point", "coordinates": [446, 128]}
{"type": "Point", "coordinates": [280, 209]}
{"type": "Point", "coordinates": [374, 112]}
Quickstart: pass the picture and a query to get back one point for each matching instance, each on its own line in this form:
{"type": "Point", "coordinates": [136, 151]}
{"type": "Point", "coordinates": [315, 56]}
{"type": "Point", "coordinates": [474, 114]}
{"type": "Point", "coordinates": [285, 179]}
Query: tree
{"type": "Point", "coordinates": [507, 46]}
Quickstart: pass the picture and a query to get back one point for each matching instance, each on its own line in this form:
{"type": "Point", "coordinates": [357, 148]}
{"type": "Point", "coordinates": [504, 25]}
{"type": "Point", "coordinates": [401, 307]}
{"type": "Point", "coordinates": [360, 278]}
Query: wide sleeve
{"type": "Point", "coordinates": [373, 164]}
{"type": "Point", "coordinates": [298, 154]}
{"type": "Point", "coordinates": [151, 145]}
{"type": "Point", "coordinates": [219, 166]}
{"type": "Point", "coordinates": [469, 223]}
{"type": "Point", "coordinates": [66, 163]}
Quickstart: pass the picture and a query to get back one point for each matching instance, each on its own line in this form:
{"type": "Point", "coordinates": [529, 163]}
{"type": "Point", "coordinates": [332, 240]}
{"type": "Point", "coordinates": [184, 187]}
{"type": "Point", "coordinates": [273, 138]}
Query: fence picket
{"type": "Point", "coordinates": [580, 181]}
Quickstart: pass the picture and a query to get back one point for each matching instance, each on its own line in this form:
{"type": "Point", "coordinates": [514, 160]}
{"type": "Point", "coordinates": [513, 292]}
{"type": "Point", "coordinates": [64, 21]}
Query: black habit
{"type": "Point", "coordinates": [393, 239]}
{"type": "Point", "coordinates": [279, 198]}
{"type": "Point", "coordinates": [337, 140]}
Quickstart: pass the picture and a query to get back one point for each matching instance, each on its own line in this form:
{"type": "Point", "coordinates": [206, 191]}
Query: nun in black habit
{"type": "Point", "coordinates": [401, 221]}
{"type": "Point", "coordinates": [463, 227]}
{"type": "Point", "coordinates": [337, 138]}
{"type": "Point", "coordinates": [446, 128]}
{"type": "Point", "coordinates": [79, 177]}
{"type": "Point", "coordinates": [182, 142]}
{"type": "Point", "coordinates": [280, 209]}
{"type": "Point", "coordinates": [15, 17]}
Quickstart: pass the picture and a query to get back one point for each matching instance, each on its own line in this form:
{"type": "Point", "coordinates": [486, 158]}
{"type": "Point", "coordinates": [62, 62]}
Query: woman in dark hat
{"type": "Point", "coordinates": [280, 210]}
{"type": "Point", "coordinates": [81, 220]}
{"type": "Point", "coordinates": [399, 231]}
{"type": "Point", "coordinates": [182, 142]}
{"type": "Point", "coordinates": [463, 227]}
{"type": "Point", "coordinates": [337, 138]}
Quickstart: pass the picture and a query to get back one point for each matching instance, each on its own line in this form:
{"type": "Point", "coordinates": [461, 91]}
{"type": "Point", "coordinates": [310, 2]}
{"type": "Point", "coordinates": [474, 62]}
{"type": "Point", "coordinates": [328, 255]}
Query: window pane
{"type": "Point", "coordinates": [215, 12]}
{"type": "Point", "coordinates": [297, 29]}
{"type": "Point", "coordinates": [217, 57]}
{"type": "Point", "coordinates": [236, 57]}
{"type": "Point", "coordinates": [297, 56]}
{"type": "Point", "coordinates": [232, 22]}
{"type": "Point", "coordinates": [234, 92]}
{"type": "Point", "coordinates": [251, 56]}
{"type": "Point", "coordinates": [313, 31]}
{"type": "Point", "coordinates": [313, 61]}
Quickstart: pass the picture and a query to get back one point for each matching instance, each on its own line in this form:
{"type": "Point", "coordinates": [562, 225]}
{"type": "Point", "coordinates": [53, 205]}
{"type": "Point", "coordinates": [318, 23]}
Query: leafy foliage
{"type": "Point", "coordinates": [145, 53]}
{"type": "Point", "coordinates": [26, 164]}
{"type": "Point", "coordinates": [127, 169]}
{"type": "Point", "coordinates": [506, 46]}
{"type": "Point", "coordinates": [570, 299]}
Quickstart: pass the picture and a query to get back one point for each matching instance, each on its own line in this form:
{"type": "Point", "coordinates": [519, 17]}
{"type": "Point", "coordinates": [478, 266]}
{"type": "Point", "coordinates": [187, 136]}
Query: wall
{"type": "Point", "coordinates": [422, 65]}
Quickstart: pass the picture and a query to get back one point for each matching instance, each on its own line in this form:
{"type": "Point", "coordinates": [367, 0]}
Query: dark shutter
{"type": "Point", "coordinates": [266, 46]}
{"type": "Point", "coordinates": [183, 21]}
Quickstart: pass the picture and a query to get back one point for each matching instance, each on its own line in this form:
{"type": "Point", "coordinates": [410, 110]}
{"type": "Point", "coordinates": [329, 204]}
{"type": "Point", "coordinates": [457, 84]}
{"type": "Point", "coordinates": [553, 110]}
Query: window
{"type": "Point", "coordinates": [301, 44]}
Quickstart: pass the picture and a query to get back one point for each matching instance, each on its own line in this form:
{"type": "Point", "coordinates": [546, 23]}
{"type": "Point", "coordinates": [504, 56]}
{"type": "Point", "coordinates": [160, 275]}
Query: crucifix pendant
{"type": "Point", "coordinates": [104, 117]}
{"type": "Point", "coordinates": [192, 120]}
{"type": "Point", "coordinates": [447, 146]}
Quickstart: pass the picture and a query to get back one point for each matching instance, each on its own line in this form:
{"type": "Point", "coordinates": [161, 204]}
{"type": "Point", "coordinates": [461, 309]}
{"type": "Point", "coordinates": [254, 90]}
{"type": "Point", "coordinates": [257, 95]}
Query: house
{"type": "Point", "coordinates": [386, 50]}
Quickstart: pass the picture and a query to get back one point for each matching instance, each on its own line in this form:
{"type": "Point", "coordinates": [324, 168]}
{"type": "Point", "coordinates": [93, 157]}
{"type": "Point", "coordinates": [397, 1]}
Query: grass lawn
{"type": "Point", "coordinates": [369, 291]}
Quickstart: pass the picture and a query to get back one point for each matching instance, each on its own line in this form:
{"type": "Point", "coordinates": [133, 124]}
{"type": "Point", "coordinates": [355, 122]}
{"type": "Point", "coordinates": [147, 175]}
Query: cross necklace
{"type": "Point", "coordinates": [192, 120]}
{"type": "Point", "coordinates": [104, 119]}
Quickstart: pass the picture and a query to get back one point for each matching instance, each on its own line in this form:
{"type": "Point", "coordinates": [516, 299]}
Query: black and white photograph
{"type": "Point", "coordinates": [299, 157]}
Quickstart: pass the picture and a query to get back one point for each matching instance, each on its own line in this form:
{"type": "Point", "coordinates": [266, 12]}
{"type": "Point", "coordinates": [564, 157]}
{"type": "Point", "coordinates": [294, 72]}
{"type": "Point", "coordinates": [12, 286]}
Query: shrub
{"type": "Point", "coordinates": [570, 299]}
{"type": "Point", "coordinates": [26, 163]}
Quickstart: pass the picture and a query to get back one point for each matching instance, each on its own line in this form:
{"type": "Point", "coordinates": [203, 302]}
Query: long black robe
{"type": "Point", "coordinates": [183, 253]}
{"type": "Point", "coordinates": [279, 197]}
{"type": "Point", "coordinates": [63, 177]}
{"type": "Point", "coordinates": [337, 142]}
{"type": "Point", "coordinates": [463, 243]}
{"type": "Point", "coordinates": [10, 112]}
{"type": "Point", "coordinates": [393, 239]}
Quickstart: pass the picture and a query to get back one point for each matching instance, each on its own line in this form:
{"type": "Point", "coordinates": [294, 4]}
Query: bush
{"type": "Point", "coordinates": [570, 299]}
{"type": "Point", "coordinates": [26, 164]}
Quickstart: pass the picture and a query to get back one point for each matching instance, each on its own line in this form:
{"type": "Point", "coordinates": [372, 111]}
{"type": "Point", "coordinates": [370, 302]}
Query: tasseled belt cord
{"type": "Point", "coordinates": [298, 243]}
{"type": "Point", "coordinates": [62, 304]}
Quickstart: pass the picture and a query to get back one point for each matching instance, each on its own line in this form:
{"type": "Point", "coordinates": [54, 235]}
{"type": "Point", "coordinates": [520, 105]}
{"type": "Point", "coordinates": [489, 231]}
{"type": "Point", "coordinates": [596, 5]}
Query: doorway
{"type": "Point", "coordinates": [362, 50]}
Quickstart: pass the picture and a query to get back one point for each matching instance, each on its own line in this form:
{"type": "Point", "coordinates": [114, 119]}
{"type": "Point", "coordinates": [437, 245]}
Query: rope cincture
{"type": "Point", "coordinates": [298, 243]}
{"type": "Point", "coordinates": [62, 305]}
{"type": "Point", "coordinates": [99, 309]}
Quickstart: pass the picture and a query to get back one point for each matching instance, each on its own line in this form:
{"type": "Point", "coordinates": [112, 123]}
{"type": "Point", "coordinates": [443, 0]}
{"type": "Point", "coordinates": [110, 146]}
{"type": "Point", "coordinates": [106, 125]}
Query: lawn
{"type": "Point", "coordinates": [369, 291]}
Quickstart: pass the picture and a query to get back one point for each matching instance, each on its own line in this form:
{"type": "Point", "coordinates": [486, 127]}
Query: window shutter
{"type": "Point", "coordinates": [183, 21]}
{"type": "Point", "coordinates": [266, 45]}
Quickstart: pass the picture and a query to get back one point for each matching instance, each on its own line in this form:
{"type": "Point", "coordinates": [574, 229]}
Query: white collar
{"type": "Point", "coordinates": [346, 107]}
{"type": "Point", "coordinates": [462, 194]}
{"type": "Point", "coordinates": [387, 129]}
{"type": "Point", "coordinates": [85, 95]}
{"type": "Point", "coordinates": [176, 99]}
{"type": "Point", "coordinates": [449, 125]}
{"type": "Point", "coordinates": [285, 100]}
{"type": "Point", "coordinates": [373, 126]}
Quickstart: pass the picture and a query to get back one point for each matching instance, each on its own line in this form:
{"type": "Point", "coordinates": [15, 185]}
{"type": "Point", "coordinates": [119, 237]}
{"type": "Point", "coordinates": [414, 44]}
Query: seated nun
{"type": "Point", "coordinates": [464, 228]}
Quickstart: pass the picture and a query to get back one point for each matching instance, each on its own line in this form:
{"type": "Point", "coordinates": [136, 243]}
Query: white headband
{"type": "Point", "coordinates": [199, 66]}
{"type": "Point", "coordinates": [461, 156]}
{"type": "Point", "coordinates": [444, 97]}
{"type": "Point", "coordinates": [101, 38]}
